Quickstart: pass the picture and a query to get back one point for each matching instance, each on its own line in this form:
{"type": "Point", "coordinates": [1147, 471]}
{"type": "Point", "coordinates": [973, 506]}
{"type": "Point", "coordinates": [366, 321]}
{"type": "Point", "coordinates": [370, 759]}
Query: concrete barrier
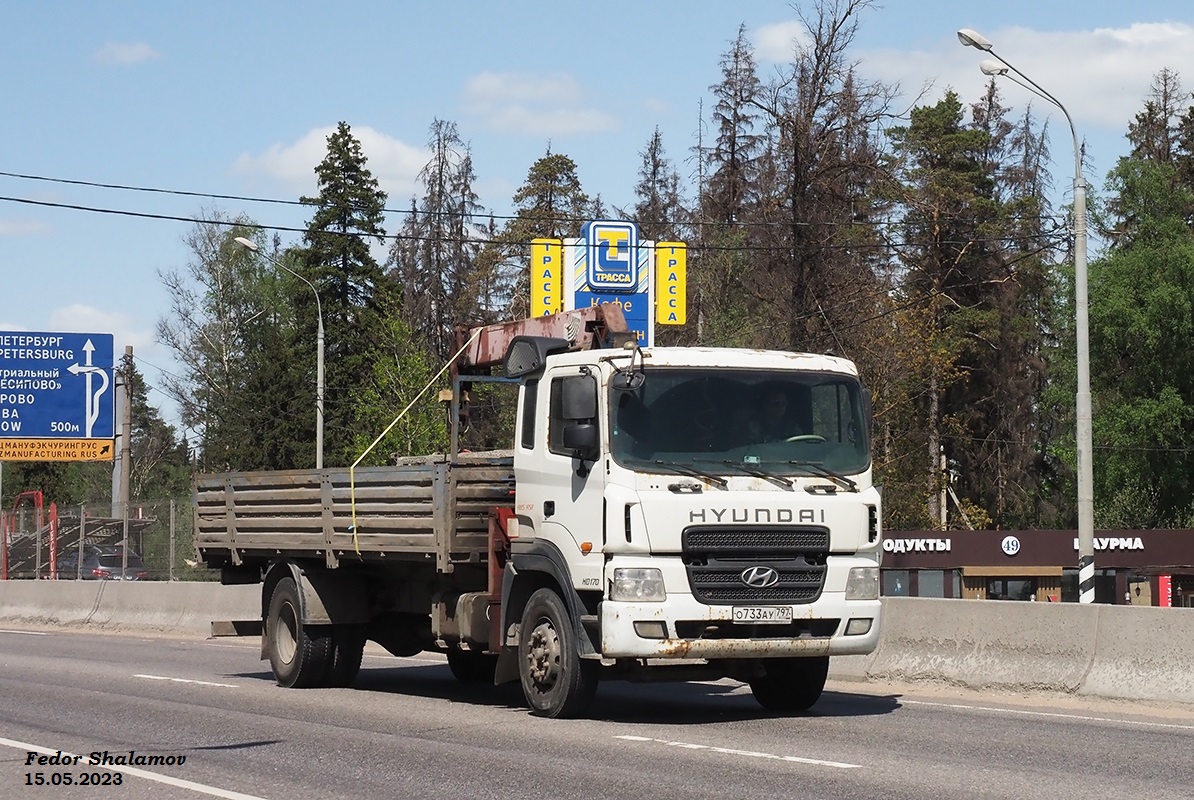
{"type": "Point", "coordinates": [149, 606]}
{"type": "Point", "coordinates": [1125, 652]}
{"type": "Point", "coordinates": [986, 644]}
{"type": "Point", "coordinates": [1143, 653]}
{"type": "Point", "coordinates": [1129, 652]}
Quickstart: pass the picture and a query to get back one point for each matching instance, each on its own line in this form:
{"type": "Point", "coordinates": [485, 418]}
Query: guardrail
{"type": "Point", "coordinates": [1128, 652]}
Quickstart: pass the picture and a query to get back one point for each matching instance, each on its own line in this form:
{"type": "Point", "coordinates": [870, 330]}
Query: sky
{"type": "Point", "coordinates": [238, 98]}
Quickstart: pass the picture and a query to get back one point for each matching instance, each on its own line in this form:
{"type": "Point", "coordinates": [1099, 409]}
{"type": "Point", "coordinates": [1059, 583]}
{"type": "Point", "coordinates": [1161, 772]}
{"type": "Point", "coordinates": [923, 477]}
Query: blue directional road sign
{"type": "Point", "coordinates": [57, 396]}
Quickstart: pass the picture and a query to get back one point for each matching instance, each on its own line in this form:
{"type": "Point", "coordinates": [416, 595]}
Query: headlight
{"type": "Point", "coordinates": [863, 583]}
{"type": "Point", "coordinates": [638, 585]}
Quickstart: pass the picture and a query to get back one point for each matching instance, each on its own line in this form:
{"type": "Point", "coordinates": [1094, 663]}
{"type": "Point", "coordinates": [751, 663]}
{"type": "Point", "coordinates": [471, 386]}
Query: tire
{"type": "Point", "coordinates": [790, 684]}
{"type": "Point", "coordinates": [471, 666]}
{"type": "Point", "coordinates": [300, 655]}
{"type": "Point", "coordinates": [556, 681]}
{"type": "Point", "coordinates": [348, 648]}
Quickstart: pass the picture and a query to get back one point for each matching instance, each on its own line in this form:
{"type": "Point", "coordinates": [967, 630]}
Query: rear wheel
{"type": "Point", "coordinates": [556, 681]}
{"type": "Point", "coordinates": [471, 666]}
{"type": "Point", "coordinates": [348, 648]}
{"type": "Point", "coordinates": [790, 684]}
{"type": "Point", "coordinates": [300, 655]}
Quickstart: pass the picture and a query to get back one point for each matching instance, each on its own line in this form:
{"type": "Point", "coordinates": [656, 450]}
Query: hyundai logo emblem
{"type": "Point", "coordinates": [759, 577]}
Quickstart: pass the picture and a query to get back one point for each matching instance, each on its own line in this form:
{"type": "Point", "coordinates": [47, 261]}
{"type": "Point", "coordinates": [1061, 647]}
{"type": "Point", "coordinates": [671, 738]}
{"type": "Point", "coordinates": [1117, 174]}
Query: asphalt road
{"type": "Point", "coordinates": [409, 730]}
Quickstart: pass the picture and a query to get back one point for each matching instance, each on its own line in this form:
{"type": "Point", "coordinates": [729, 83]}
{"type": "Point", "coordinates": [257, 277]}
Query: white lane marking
{"type": "Point", "coordinates": [140, 773]}
{"type": "Point", "coordinates": [184, 680]}
{"type": "Point", "coordinates": [747, 753]}
{"type": "Point", "coordinates": [428, 658]}
{"type": "Point", "coordinates": [1054, 714]}
{"type": "Point", "coordinates": [26, 633]}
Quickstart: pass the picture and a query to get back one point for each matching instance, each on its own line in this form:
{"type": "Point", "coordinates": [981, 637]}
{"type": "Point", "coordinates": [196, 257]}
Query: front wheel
{"type": "Point", "coordinates": [556, 681]}
{"type": "Point", "coordinates": [300, 655]}
{"type": "Point", "coordinates": [790, 684]}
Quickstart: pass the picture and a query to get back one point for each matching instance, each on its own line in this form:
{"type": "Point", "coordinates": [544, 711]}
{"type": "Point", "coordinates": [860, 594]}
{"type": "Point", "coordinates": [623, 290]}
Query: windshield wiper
{"type": "Point", "coordinates": [817, 469]}
{"type": "Point", "coordinates": [685, 469]}
{"type": "Point", "coordinates": [761, 473]}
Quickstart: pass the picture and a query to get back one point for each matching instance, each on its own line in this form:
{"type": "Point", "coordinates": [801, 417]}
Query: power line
{"type": "Point", "coordinates": [408, 211]}
{"type": "Point", "coordinates": [241, 223]}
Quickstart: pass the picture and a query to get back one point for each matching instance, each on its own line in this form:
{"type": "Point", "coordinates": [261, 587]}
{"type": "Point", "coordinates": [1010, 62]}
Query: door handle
{"type": "Point", "coordinates": [549, 508]}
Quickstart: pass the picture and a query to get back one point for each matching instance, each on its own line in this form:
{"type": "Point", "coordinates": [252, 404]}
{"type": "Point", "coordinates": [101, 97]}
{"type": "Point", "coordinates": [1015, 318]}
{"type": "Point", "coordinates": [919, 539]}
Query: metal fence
{"type": "Point", "coordinates": [48, 542]}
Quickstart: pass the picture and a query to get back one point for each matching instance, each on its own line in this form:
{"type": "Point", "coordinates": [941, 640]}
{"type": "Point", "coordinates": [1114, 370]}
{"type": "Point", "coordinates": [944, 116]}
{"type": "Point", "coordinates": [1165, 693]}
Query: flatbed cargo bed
{"type": "Point", "coordinates": [421, 508]}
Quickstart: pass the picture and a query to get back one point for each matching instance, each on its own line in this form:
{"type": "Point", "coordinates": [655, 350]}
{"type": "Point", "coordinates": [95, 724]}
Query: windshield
{"type": "Point", "coordinates": [781, 423]}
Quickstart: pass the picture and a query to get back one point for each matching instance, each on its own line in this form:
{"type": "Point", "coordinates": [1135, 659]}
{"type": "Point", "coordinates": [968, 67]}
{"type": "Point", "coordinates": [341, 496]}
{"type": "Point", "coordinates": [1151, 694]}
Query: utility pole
{"type": "Point", "coordinates": [944, 489]}
{"type": "Point", "coordinates": [126, 460]}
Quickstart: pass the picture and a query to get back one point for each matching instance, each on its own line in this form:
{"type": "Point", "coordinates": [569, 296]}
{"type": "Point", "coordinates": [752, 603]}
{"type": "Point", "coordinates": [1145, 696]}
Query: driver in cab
{"type": "Point", "coordinates": [771, 421]}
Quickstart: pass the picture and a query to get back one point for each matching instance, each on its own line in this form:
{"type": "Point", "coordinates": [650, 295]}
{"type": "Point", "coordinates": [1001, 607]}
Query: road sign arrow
{"type": "Point", "coordinates": [76, 369]}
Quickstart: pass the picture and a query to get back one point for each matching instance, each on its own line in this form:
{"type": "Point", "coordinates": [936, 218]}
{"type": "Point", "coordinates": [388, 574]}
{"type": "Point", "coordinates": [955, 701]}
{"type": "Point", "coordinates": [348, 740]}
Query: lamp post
{"type": "Point", "coordinates": [1085, 438]}
{"type": "Point", "coordinates": [251, 245]}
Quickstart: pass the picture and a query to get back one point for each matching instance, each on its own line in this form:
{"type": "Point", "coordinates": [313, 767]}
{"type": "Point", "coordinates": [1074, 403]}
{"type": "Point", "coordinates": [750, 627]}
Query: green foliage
{"type": "Point", "coordinates": [1142, 368]}
{"type": "Point", "coordinates": [390, 403]}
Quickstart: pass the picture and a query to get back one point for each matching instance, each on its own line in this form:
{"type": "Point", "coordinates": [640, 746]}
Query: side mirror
{"type": "Point", "coordinates": [579, 397]}
{"type": "Point", "coordinates": [581, 439]}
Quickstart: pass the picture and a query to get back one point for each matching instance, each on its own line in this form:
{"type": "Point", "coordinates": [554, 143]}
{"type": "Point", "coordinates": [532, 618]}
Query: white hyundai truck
{"type": "Point", "coordinates": [659, 516]}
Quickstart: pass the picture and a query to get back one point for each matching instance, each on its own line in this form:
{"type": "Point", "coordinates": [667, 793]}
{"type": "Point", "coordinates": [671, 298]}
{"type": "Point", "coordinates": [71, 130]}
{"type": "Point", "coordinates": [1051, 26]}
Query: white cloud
{"type": "Point", "coordinates": [79, 318]}
{"type": "Point", "coordinates": [657, 105]}
{"type": "Point", "coordinates": [775, 44]}
{"type": "Point", "coordinates": [394, 163]}
{"type": "Point", "coordinates": [533, 105]}
{"type": "Point", "coordinates": [125, 53]}
{"type": "Point", "coordinates": [23, 227]}
{"type": "Point", "coordinates": [1102, 76]}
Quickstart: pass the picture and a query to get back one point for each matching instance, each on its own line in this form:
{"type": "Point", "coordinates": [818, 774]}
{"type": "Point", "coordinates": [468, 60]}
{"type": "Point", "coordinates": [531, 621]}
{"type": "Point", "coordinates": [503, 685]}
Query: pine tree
{"type": "Point", "coordinates": [719, 263]}
{"type": "Point", "coordinates": [550, 204]}
{"type": "Point", "coordinates": [731, 187]}
{"type": "Point", "coordinates": [357, 297]}
{"type": "Point", "coordinates": [658, 208]}
{"type": "Point", "coordinates": [945, 180]}
{"type": "Point", "coordinates": [435, 256]}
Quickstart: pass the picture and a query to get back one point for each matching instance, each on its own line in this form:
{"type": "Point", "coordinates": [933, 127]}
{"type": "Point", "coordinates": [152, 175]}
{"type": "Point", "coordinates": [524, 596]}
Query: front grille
{"type": "Point", "coordinates": [754, 539]}
{"type": "Point", "coordinates": [719, 582]}
{"type": "Point", "coordinates": [717, 556]}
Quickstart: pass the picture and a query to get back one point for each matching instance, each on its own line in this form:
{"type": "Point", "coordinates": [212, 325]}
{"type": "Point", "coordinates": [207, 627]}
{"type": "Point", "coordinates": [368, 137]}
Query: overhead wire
{"type": "Point", "coordinates": [396, 211]}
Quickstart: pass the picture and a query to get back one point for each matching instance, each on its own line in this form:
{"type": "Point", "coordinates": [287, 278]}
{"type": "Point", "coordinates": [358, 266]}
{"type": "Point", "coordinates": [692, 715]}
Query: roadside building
{"type": "Point", "coordinates": [1147, 567]}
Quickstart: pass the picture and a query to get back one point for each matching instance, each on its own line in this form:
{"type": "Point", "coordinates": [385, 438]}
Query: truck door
{"type": "Point", "coordinates": [561, 467]}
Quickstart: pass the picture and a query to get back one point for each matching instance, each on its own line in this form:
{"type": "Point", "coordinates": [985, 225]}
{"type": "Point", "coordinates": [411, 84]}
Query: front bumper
{"type": "Point", "coordinates": [694, 630]}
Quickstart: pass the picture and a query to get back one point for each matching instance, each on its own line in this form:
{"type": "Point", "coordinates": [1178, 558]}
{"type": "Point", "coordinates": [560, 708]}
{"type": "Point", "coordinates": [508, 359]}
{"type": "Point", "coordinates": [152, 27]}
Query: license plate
{"type": "Point", "coordinates": [763, 615]}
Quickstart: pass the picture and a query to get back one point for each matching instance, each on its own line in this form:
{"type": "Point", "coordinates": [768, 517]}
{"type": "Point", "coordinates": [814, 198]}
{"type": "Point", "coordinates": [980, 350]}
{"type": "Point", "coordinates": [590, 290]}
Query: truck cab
{"type": "Point", "coordinates": [704, 510]}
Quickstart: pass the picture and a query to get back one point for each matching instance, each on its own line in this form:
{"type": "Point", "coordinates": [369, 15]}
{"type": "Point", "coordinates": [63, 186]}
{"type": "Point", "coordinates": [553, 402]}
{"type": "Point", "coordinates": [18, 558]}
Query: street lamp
{"type": "Point", "coordinates": [1086, 568]}
{"type": "Point", "coordinates": [251, 245]}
